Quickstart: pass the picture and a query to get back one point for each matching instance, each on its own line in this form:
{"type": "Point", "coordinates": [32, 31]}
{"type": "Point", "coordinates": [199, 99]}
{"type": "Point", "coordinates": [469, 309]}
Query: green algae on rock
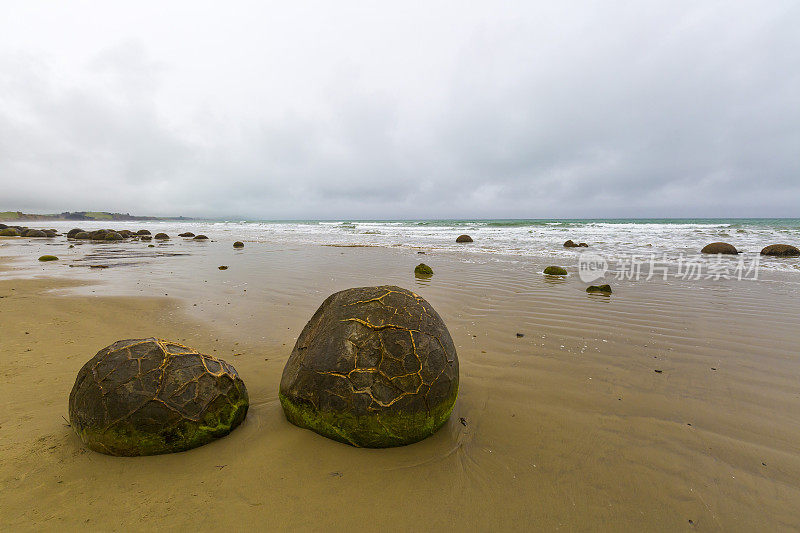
{"type": "Point", "coordinates": [150, 396]}
{"type": "Point", "coordinates": [9, 232]}
{"type": "Point", "coordinates": [423, 270]}
{"type": "Point", "coordinates": [602, 289]}
{"type": "Point", "coordinates": [555, 271]}
{"type": "Point", "coordinates": [374, 367]}
{"type": "Point", "coordinates": [162, 236]}
{"type": "Point", "coordinates": [48, 258]}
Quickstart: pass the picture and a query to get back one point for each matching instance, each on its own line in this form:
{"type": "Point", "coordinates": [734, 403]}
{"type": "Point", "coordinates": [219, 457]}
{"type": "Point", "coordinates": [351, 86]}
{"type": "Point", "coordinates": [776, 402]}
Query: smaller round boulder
{"type": "Point", "coordinates": [781, 250]}
{"type": "Point", "coordinates": [186, 234]}
{"type": "Point", "coordinates": [423, 271]}
{"type": "Point", "coordinates": [223, 267]}
{"type": "Point", "coordinates": [555, 271]}
{"type": "Point", "coordinates": [74, 231]}
{"type": "Point", "coordinates": [143, 232]}
{"type": "Point", "coordinates": [571, 244]}
{"type": "Point", "coordinates": [162, 236]}
{"type": "Point", "coordinates": [719, 248]}
{"type": "Point", "coordinates": [238, 244]}
{"type": "Point", "coordinates": [463, 238]}
{"type": "Point", "coordinates": [150, 396]}
{"type": "Point", "coordinates": [48, 258]}
{"type": "Point", "coordinates": [147, 237]}
{"type": "Point", "coordinates": [200, 238]}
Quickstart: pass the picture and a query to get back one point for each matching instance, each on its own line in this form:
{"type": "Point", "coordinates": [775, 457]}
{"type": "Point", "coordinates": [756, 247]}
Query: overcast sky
{"type": "Point", "coordinates": [410, 110]}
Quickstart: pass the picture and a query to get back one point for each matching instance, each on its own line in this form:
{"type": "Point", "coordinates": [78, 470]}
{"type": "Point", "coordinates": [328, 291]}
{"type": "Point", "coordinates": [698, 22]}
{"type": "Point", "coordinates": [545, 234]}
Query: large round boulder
{"type": "Point", "coordinates": [162, 236]}
{"type": "Point", "coordinates": [143, 232]}
{"type": "Point", "coordinates": [781, 250]}
{"type": "Point", "coordinates": [719, 248]}
{"type": "Point", "coordinates": [463, 238]}
{"type": "Point", "coordinates": [374, 367]}
{"type": "Point", "coordinates": [150, 396]}
{"type": "Point", "coordinates": [74, 231]}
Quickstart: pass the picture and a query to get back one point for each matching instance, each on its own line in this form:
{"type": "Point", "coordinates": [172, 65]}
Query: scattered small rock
{"type": "Point", "coordinates": [238, 244]}
{"type": "Point", "coordinates": [520, 335]}
{"type": "Point", "coordinates": [223, 267]}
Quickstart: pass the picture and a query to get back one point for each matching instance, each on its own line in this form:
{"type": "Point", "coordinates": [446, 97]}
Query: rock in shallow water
{"type": "Point", "coordinates": [781, 250]}
{"type": "Point", "coordinates": [374, 367]}
{"type": "Point", "coordinates": [601, 289]}
{"type": "Point", "coordinates": [719, 248]}
{"type": "Point", "coordinates": [150, 396]}
{"type": "Point", "coordinates": [463, 238]}
{"type": "Point", "coordinates": [555, 271]}
{"type": "Point", "coordinates": [422, 270]}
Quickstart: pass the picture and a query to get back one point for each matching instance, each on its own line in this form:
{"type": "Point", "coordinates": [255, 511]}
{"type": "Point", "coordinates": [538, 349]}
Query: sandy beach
{"type": "Point", "coordinates": [670, 405]}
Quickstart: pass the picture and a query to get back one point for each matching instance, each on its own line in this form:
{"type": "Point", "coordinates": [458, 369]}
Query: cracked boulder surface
{"type": "Point", "coordinates": [150, 396]}
{"type": "Point", "coordinates": [374, 367]}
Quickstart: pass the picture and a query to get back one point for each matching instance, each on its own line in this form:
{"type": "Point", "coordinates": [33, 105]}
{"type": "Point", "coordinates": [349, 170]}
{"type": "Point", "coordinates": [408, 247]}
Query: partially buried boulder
{"type": "Point", "coordinates": [186, 234]}
{"type": "Point", "coordinates": [34, 233]}
{"type": "Point", "coordinates": [83, 235]}
{"type": "Point", "coordinates": [781, 250]}
{"type": "Point", "coordinates": [601, 289]}
{"type": "Point", "coordinates": [74, 231]}
{"type": "Point", "coordinates": [201, 238]}
{"type": "Point", "coordinates": [374, 367]}
{"type": "Point", "coordinates": [143, 232]}
{"type": "Point", "coordinates": [150, 396]}
{"type": "Point", "coordinates": [161, 236]}
{"type": "Point", "coordinates": [463, 238]}
{"type": "Point", "coordinates": [555, 271]}
{"type": "Point", "coordinates": [571, 244]}
{"type": "Point", "coordinates": [113, 236]}
{"type": "Point", "coordinates": [9, 232]}
{"type": "Point", "coordinates": [45, 258]}
{"type": "Point", "coordinates": [238, 244]}
{"type": "Point", "coordinates": [719, 248]}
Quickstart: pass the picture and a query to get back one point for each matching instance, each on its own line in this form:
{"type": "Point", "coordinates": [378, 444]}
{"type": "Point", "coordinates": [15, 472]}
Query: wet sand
{"type": "Point", "coordinates": [568, 427]}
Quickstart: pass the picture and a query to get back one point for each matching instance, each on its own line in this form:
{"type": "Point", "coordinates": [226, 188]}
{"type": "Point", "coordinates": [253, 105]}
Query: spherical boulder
{"type": "Point", "coordinates": [555, 271]}
{"type": "Point", "coordinates": [423, 271]}
{"type": "Point", "coordinates": [186, 234]}
{"type": "Point", "coordinates": [162, 236]}
{"type": "Point", "coordinates": [74, 231]}
{"type": "Point", "coordinates": [238, 244]}
{"type": "Point", "coordinates": [374, 367]}
{"type": "Point", "coordinates": [9, 232]}
{"type": "Point", "coordinates": [781, 250]}
{"type": "Point", "coordinates": [200, 238]}
{"type": "Point", "coordinates": [143, 232]}
{"type": "Point", "coordinates": [463, 238]}
{"type": "Point", "coordinates": [719, 248]}
{"type": "Point", "coordinates": [48, 258]}
{"type": "Point", "coordinates": [150, 396]}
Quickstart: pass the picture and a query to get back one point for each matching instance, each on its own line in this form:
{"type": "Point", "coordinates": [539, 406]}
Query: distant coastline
{"type": "Point", "coordinates": [6, 216]}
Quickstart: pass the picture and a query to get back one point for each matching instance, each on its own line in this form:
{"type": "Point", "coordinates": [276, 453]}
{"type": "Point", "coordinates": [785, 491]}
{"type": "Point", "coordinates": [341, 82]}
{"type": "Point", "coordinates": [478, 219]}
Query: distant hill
{"type": "Point", "coordinates": [78, 215]}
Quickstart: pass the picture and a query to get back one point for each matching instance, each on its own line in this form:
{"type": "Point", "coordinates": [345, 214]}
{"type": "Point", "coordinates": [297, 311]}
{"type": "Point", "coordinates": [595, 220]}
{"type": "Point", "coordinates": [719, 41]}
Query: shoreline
{"type": "Point", "coordinates": [566, 426]}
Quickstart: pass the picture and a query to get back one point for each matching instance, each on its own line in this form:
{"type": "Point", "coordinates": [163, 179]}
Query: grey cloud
{"type": "Point", "coordinates": [592, 109]}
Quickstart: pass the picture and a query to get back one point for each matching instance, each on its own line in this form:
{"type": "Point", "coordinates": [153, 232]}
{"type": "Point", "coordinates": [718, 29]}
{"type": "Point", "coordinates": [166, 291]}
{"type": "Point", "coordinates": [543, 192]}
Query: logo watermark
{"type": "Point", "coordinates": [593, 266]}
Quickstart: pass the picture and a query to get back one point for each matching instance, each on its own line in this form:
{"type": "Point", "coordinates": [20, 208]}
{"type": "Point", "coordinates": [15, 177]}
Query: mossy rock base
{"type": "Point", "coordinates": [374, 430]}
{"type": "Point", "coordinates": [555, 271]}
{"type": "Point", "coordinates": [374, 367]}
{"type": "Point", "coordinates": [9, 232]}
{"type": "Point", "coordinates": [48, 258]}
{"type": "Point", "coordinates": [149, 396]}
